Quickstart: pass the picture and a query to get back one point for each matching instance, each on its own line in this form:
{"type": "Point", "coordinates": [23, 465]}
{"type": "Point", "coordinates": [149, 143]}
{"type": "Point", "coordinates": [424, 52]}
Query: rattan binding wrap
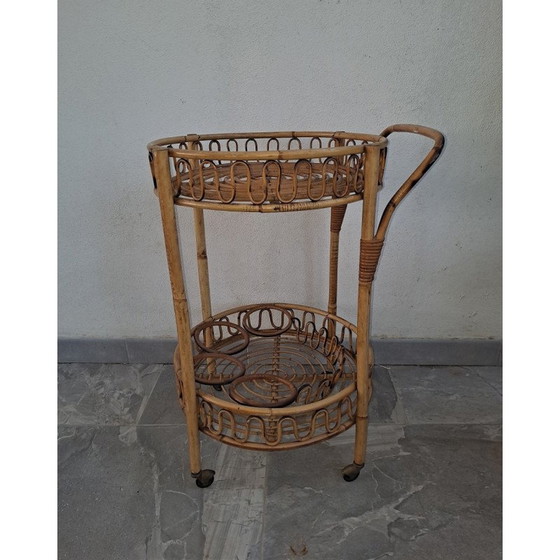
{"type": "Point", "coordinates": [337, 216]}
{"type": "Point", "coordinates": [370, 251]}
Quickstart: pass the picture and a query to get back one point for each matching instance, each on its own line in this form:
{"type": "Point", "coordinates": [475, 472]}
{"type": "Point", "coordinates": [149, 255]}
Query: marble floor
{"type": "Point", "coordinates": [431, 488]}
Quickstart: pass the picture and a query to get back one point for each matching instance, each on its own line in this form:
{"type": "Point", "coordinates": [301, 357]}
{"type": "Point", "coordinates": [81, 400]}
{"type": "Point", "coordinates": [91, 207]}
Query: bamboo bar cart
{"type": "Point", "coordinates": [276, 375]}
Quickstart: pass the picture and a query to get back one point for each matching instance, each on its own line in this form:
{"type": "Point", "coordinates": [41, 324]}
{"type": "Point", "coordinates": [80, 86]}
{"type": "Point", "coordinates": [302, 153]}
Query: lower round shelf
{"type": "Point", "coordinates": [293, 350]}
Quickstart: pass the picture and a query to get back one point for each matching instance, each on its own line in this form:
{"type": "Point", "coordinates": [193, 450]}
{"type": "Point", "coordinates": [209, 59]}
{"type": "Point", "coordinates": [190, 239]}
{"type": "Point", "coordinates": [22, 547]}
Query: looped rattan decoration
{"type": "Point", "coordinates": [278, 375]}
{"type": "Point", "coordinates": [270, 320]}
{"type": "Point", "coordinates": [268, 171]}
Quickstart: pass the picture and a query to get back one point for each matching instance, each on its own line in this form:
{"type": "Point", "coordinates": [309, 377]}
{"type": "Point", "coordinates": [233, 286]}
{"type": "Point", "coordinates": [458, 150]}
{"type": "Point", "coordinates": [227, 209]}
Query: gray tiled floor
{"type": "Point", "coordinates": [431, 488]}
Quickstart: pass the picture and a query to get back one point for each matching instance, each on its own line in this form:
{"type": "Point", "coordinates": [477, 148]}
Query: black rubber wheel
{"type": "Point", "coordinates": [205, 478]}
{"type": "Point", "coordinates": [351, 472]}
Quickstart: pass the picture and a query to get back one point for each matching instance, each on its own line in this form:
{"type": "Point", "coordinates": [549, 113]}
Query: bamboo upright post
{"type": "Point", "coordinates": [371, 173]}
{"type": "Point", "coordinates": [202, 265]}
{"type": "Point", "coordinates": [204, 282]}
{"type": "Point", "coordinates": [202, 260]}
{"type": "Point", "coordinates": [337, 217]}
{"type": "Point", "coordinates": [180, 305]}
{"type": "Point", "coordinates": [201, 255]}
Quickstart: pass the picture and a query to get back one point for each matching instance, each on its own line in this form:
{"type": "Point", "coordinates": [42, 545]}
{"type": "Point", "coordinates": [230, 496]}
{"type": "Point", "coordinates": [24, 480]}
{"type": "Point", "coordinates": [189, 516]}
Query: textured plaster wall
{"type": "Point", "coordinates": [133, 71]}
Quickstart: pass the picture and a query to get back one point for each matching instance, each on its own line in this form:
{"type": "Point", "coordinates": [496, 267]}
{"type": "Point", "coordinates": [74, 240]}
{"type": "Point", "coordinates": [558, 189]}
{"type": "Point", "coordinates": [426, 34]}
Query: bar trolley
{"type": "Point", "coordinates": [272, 376]}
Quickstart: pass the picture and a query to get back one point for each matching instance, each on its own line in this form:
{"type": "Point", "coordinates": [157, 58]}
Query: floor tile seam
{"type": "Point", "coordinates": [145, 404]}
{"type": "Point", "coordinates": [127, 350]}
{"type": "Point", "coordinates": [489, 384]}
{"type": "Point", "coordinates": [84, 425]}
{"type": "Point", "coordinates": [439, 423]}
{"type": "Point", "coordinates": [437, 365]}
{"type": "Point", "coordinates": [401, 390]}
{"type": "Point", "coordinates": [132, 425]}
{"type": "Point", "coordinates": [456, 423]}
{"type": "Point", "coordinates": [463, 423]}
{"type": "Point", "coordinates": [459, 424]}
{"type": "Point", "coordinates": [162, 425]}
{"type": "Point", "coordinates": [473, 394]}
{"type": "Point", "coordinates": [135, 363]}
{"type": "Point", "coordinates": [399, 394]}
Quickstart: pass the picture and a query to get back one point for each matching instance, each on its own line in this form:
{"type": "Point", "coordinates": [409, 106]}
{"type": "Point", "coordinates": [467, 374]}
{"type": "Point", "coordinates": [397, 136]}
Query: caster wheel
{"type": "Point", "coordinates": [205, 478]}
{"type": "Point", "coordinates": [351, 472]}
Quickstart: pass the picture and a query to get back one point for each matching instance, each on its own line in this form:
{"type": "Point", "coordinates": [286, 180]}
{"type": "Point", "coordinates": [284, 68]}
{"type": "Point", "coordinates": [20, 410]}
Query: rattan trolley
{"type": "Point", "coordinates": [276, 375]}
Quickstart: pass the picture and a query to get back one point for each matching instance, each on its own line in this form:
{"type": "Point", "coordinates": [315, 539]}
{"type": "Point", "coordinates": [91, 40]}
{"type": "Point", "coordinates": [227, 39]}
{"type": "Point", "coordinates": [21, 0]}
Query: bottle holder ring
{"type": "Point", "coordinates": [211, 336]}
{"type": "Point", "coordinates": [213, 368]}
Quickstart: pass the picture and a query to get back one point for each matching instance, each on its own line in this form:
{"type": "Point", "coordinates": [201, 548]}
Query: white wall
{"type": "Point", "coordinates": [133, 71]}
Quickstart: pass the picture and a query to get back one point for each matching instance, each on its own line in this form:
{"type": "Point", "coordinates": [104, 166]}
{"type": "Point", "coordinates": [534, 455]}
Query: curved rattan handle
{"type": "Point", "coordinates": [370, 249]}
{"type": "Point", "coordinates": [416, 175]}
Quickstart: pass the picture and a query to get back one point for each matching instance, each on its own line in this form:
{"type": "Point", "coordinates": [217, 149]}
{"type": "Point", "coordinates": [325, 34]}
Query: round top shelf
{"type": "Point", "coordinates": [268, 171]}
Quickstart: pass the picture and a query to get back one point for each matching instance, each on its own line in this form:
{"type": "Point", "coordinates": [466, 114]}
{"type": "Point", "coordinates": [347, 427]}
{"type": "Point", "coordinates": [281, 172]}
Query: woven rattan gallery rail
{"type": "Point", "coordinates": [276, 375]}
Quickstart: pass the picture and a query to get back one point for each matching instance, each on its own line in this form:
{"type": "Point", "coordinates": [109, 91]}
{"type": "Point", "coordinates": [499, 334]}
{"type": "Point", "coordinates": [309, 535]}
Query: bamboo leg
{"type": "Point", "coordinates": [167, 208]}
{"type": "Point", "coordinates": [201, 257]}
{"type": "Point", "coordinates": [364, 303]}
{"type": "Point", "coordinates": [202, 264]}
{"type": "Point", "coordinates": [337, 216]}
{"type": "Point", "coordinates": [202, 261]}
{"type": "Point", "coordinates": [204, 282]}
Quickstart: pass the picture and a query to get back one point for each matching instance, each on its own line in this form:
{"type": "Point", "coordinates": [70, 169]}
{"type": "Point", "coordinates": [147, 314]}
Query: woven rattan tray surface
{"type": "Point", "coordinates": [312, 351]}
